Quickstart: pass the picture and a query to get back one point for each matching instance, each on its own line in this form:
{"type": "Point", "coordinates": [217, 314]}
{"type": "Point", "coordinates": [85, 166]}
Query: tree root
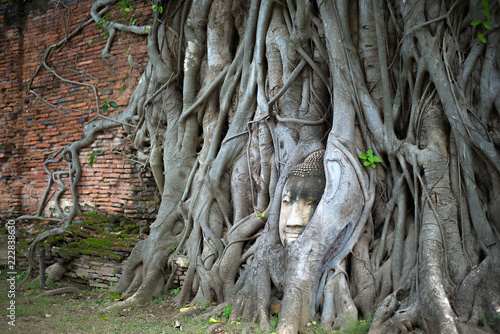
{"type": "Point", "coordinates": [60, 291]}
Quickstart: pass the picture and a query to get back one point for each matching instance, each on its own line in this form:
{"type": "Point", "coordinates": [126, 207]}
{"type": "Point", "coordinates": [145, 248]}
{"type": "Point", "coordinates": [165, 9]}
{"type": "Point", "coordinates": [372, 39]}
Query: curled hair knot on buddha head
{"type": "Point", "coordinates": [310, 167]}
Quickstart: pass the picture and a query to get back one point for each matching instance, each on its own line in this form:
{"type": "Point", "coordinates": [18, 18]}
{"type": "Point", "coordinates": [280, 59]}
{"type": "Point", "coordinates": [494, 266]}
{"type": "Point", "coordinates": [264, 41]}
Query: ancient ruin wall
{"type": "Point", "coordinates": [31, 125]}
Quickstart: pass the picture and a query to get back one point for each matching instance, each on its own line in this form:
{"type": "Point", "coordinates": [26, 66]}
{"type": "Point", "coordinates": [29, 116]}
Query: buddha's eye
{"type": "Point", "coordinates": [310, 202]}
{"type": "Point", "coordinates": [285, 200]}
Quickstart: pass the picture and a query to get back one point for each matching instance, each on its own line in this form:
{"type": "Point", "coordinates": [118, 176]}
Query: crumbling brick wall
{"type": "Point", "coordinates": [32, 125]}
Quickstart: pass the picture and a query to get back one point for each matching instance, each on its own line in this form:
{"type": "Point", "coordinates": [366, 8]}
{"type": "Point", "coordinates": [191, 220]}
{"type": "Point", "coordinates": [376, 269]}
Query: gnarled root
{"type": "Point", "coordinates": [477, 299]}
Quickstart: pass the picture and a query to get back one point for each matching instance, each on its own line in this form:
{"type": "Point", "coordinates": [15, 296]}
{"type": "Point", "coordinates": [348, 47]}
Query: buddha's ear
{"type": "Point", "coordinates": [334, 173]}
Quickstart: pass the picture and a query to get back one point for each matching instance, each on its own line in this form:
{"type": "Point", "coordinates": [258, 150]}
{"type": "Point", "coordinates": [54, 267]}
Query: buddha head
{"type": "Point", "coordinates": [304, 186]}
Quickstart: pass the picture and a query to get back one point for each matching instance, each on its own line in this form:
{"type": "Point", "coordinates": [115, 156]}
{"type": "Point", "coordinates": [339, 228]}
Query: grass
{"type": "Point", "coordinates": [79, 313]}
{"type": "Point", "coordinates": [226, 313]}
{"type": "Point", "coordinates": [355, 326]}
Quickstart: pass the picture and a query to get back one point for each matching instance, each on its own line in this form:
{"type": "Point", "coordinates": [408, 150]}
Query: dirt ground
{"type": "Point", "coordinates": [81, 312]}
{"type": "Point", "coordinates": [76, 313]}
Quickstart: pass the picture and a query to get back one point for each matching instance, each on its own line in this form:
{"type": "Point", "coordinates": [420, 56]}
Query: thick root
{"type": "Point", "coordinates": [477, 297]}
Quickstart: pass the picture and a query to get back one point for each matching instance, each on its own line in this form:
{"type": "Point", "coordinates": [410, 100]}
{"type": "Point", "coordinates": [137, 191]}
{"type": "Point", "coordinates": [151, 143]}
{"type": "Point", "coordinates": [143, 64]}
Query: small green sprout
{"type": "Point", "coordinates": [485, 23]}
{"type": "Point", "coordinates": [227, 311]}
{"type": "Point", "coordinates": [106, 104]}
{"type": "Point", "coordinates": [274, 321]}
{"type": "Point", "coordinates": [260, 215]}
{"type": "Point", "coordinates": [204, 304]}
{"type": "Point", "coordinates": [157, 8]}
{"type": "Point", "coordinates": [92, 157]}
{"type": "Point", "coordinates": [122, 88]}
{"type": "Point", "coordinates": [370, 158]}
{"type": "Point", "coordinates": [176, 291]}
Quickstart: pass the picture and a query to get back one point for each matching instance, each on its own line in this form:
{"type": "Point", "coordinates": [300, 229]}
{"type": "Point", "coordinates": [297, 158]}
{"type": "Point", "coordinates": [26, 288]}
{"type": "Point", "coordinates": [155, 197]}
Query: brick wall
{"type": "Point", "coordinates": [30, 127]}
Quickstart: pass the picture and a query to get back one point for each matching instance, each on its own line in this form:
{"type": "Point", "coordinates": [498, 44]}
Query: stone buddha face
{"type": "Point", "coordinates": [301, 194]}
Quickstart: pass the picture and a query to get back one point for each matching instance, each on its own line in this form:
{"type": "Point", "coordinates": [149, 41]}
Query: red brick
{"type": "Point", "coordinates": [110, 175]}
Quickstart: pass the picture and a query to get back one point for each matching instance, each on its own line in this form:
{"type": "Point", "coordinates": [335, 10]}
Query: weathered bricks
{"type": "Point", "coordinates": [30, 127]}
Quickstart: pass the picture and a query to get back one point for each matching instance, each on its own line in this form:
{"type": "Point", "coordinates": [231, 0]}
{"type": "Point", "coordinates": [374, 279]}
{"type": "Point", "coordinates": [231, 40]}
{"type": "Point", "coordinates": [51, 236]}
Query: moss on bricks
{"type": "Point", "coordinates": [66, 252]}
{"type": "Point", "coordinates": [97, 243]}
{"type": "Point", "coordinates": [104, 237]}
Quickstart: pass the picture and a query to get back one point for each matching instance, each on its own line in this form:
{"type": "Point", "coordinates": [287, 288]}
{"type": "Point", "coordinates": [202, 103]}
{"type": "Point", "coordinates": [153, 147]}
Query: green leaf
{"type": "Point", "coordinates": [373, 165]}
{"type": "Point", "coordinates": [486, 12]}
{"type": "Point", "coordinates": [487, 25]}
{"type": "Point", "coordinates": [475, 22]}
{"type": "Point", "coordinates": [113, 104]}
{"type": "Point", "coordinates": [363, 156]}
{"type": "Point", "coordinates": [481, 37]}
{"type": "Point", "coordinates": [161, 9]}
{"type": "Point", "coordinates": [105, 109]}
{"type": "Point", "coordinates": [369, 152]}
{"type": "Point", "coordinates": [371, 158]}
{"type": "Point", "coordinates": [91, 159]}
{"type": "Point", "coordinates": [485, 3]}
{"type": "Point", "coordinates": [367, 163]}
{"type": "Point", "coordinates": [376, 158]}
{"type": "Point", "coordinates": [260, 215]}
